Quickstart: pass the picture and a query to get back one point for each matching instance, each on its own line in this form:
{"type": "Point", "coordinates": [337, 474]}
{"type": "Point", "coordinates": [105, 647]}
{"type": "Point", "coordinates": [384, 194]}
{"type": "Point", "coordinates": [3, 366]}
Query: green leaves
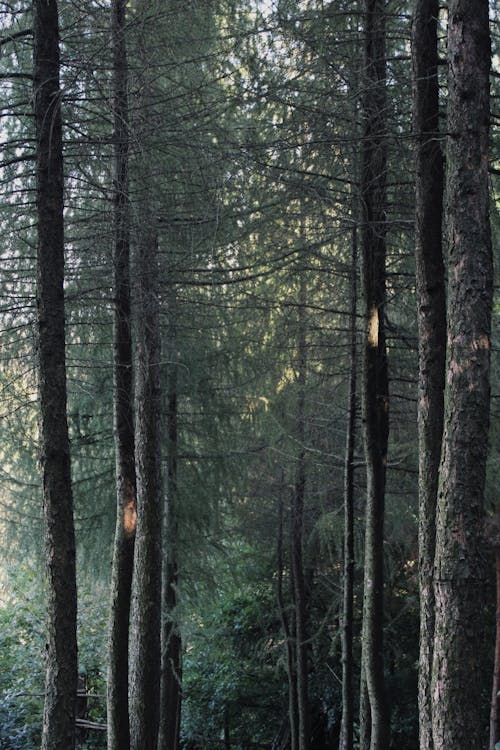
{"type": "Point", "coordinates": [21, 665]}
{"type": "Point", "coordinates": [230, 673]}
{"type": "Point", "coordinates": [22, 649]}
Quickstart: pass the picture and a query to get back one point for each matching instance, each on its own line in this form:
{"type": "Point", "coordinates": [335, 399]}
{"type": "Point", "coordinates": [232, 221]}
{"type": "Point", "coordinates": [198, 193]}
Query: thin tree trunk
{"type": "Point", "coordinates": [293, 710]}
{"type": "Point", "coordinates": [171, 672]}
{"type": "Point", "coordinates": [495, 713]}
{"type": "Point", "coordinates": [171, 680]}
{"type": "Point", "coordinates": [297, 536]}
{"type": "Point", "coordinates": [459, 560]}
{"type": "Point", "coordinates": [146, 605]}
{"type": "Point", "coordinates": [300, 607]}
{"type": "Point", "coordinates": [123, 553]}
{"type": "Point", "coordinates": [365, 721]}
{"type": "Point", "coordinates": [431, 306]}
{"type": "Point", "coordinates": [61, 649]}
{"type": "Point", "coordinates": [346, 732]}
{"type": "Point", "coordinates": [145, 648]}
{"type": "Point", "coordinates": [227, 736]}
{"type": "Point", "coordinates": [375, 378]}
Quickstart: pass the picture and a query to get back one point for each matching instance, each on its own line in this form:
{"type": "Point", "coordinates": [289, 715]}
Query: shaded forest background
{"type": "Point", "coordinates": [244, 138]}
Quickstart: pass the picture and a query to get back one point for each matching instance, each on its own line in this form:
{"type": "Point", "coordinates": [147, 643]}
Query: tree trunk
{"type": "Point", "coordinates": [300, 620]}
{"type": "Point", "coordinates": [346, 732]}
{"type": "Point", "coordinates": [431, 307]}
{"type": "Point", "coordinates": [297, 536]}
{"type": "Point", "coordinates": [171, 680]}
{"type": "Point", "coordinates": [123, 553]}
{"type": "Point", "coordinates": [146, 606]}
{"type": "Point", "coordinates": [171, 671]}
{"type": "Point", "coordinates": [293, 711]}
{"type": "Point", "coordinates": [61, 649]}
{"type": "Point", "coordinates": [227, 736]}
{"type": "Point", "coordinates": [459, 567]}
{"type": "Point", "coordinates": [375, 380]}
{"type": "Point", "coordinates": [365, 721]}
{"type": "Point", "coordinates": [147, 580]}
{"type": "Point", "coordinates": [494, 714]}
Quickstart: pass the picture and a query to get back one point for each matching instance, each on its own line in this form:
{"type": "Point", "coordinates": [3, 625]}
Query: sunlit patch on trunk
{"type": "Point", "coordinates": [130, 518]}
{"type": "Point", "coordinates": [373, 327]}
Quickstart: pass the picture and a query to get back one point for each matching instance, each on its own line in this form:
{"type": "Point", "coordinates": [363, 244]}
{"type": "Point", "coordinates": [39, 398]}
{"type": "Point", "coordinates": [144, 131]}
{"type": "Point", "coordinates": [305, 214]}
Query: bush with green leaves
{"type": "Point", "coordinates": [232, 682]}
{"type": "Point", "coordinates": [21, 661]}
{"type": "Point", "coordinates": [22, 639]}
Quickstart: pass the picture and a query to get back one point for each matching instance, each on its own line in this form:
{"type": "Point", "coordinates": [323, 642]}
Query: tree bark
{"type": "Point", "coordinates": [227, 736]}
{"type": "Point", "coordinates": [146, 606]}
{"type": "Point", "coordinates": [347, 726]}
{"type": "Point", "coordinates": [459, 568]}
{"type": "Point", "coordinates": [494, 713]}
{"type": "Point", "coordinates": [431, 310]}
{"type": "Point", "coordinates": [147, 581]}
{"type": "Point", "coordinates": [171, 680]}
{"type": "Point", "coordinates": [61, 656]}
{"type": "Point", "coordinates": [365, 721]}
{"type": "Point", "coordinates": [297, 536]}
{"type": "Point", "coordinates": [375, 378]}
{"type": "Point", "coordinates": [293, 711]}
{"type": "Point", "coordinates": [126, 510]}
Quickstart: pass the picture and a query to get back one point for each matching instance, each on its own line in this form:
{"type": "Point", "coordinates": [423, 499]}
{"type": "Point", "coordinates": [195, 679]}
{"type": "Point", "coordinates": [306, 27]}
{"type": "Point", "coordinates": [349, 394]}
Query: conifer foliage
{"type": "Point", "coordinates": [235, 232]}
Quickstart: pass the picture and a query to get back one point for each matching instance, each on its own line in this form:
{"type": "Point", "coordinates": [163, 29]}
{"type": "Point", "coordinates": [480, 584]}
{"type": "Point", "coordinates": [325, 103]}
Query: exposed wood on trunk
{"type": "Point", "coordinates": [61, 649]}
{"type": "Point", "coordinates": [126, 510]}
{"type": "Point", "coordinates": [459, 560]}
